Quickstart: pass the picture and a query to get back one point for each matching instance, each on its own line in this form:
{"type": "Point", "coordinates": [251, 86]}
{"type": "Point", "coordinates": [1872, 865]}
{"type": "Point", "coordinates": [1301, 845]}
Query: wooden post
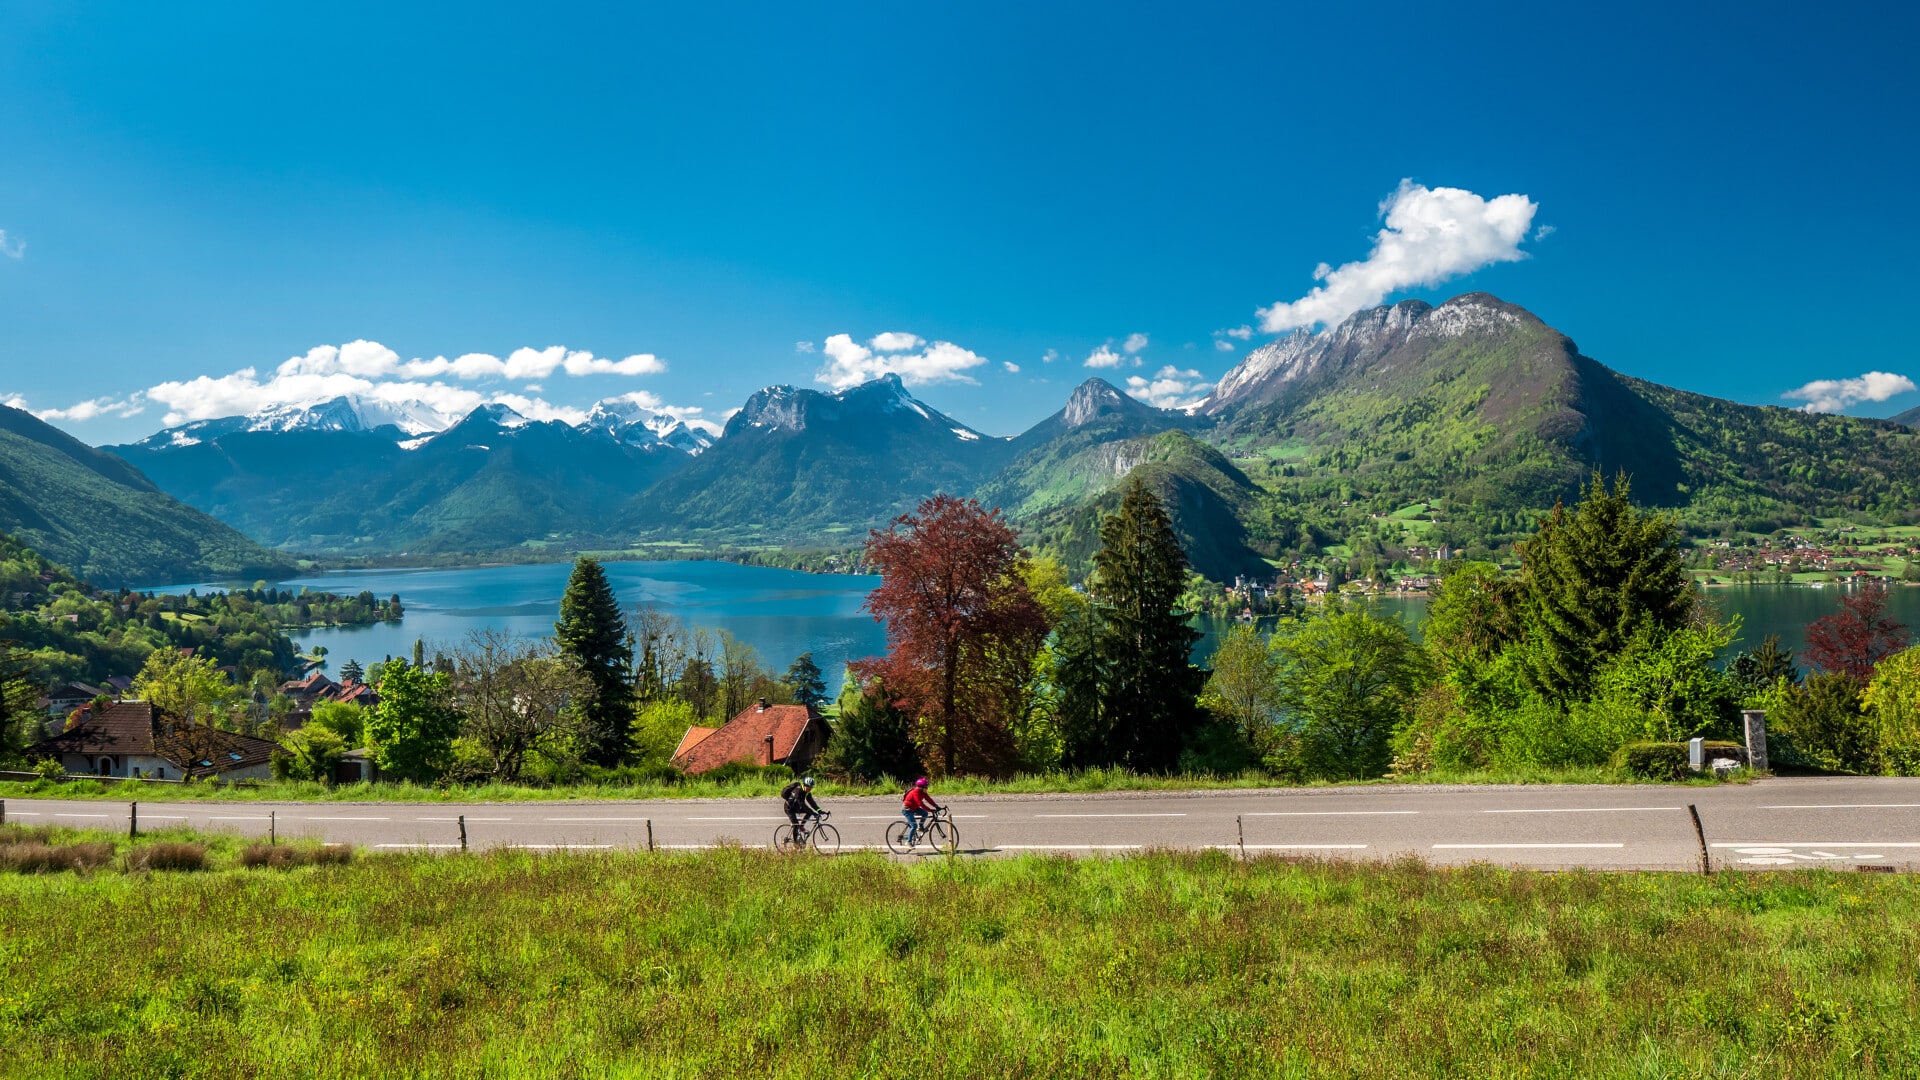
{"type": "Point", "coordinates": [1240, 827]}
{"type": "Point", "coordinates": [273, 831]}
{"type": "Point", "coordinates": [463, 832]}
{"type": "Point", "coordinates": [133, 820]}
{"type": "Point", "coordinates": [3, 811]}
{"type": "Point", "coordinates": [649, 833]}
{"type": "Point", "coordinates": [1700, 834]}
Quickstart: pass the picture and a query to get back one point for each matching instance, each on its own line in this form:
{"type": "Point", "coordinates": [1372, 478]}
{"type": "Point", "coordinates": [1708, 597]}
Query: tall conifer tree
{"type": "Point", "coordinates": [1594, 578]}
{"type": "Point", "coordinates": [1149, 683]}
{"type": "Point", "coordinates": [592, 632]}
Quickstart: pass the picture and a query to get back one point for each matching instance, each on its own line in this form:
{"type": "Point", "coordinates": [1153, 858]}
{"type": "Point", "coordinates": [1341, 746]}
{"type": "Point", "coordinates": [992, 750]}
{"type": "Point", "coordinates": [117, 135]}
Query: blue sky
{"type": "Point", "coordinates": [190, 192]}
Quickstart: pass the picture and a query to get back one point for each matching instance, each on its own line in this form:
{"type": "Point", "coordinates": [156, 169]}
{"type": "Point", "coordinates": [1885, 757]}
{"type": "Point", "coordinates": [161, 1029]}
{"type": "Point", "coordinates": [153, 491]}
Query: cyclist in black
{"type": "Point", "coordinates": [797, 798]}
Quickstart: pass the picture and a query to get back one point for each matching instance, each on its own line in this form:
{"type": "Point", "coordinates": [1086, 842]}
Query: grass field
{"type": "Point", "coordinates": [738, 963]}
{"type": "Point", "coordinates": [757, 787]}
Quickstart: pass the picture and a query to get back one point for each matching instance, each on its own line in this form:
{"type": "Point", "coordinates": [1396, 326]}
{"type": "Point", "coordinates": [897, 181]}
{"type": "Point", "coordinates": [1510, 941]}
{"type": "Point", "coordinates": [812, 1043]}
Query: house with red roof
{"type": "Point", "coordinates": [134, 738]}
{"type": "Point", "coordinates": [763, 734]}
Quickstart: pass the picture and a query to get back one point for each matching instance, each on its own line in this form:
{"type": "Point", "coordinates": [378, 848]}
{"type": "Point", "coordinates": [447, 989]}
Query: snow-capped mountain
{"type": "Point", "coordinates": [633, 424]}
{"type": "Point", "coordinates": [351, 413]}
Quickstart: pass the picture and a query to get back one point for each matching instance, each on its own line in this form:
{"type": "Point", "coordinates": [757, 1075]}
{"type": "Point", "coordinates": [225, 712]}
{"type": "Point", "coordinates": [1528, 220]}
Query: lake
{"type": "Point", "coordinates": [783, 613]}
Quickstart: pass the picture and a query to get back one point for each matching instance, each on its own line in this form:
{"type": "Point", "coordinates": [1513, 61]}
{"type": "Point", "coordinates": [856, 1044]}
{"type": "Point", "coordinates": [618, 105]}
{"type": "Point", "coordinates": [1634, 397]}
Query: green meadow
{"type": "Point", "coordinates": [734, 963]}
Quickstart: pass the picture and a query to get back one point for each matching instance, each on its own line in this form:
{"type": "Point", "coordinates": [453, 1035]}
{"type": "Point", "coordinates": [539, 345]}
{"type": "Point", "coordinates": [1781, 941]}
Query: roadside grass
{"type": "Point", "coordinates": [53, 849]}
{"type": "Point", "coordinates": [736, 962]}
{"type": "Point", "coordinates": [762, 786]}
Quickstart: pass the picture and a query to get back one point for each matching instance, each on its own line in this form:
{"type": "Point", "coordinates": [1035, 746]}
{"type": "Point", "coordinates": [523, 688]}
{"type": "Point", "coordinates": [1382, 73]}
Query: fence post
{"type": "Point", "coordinates": [649, 830]}
{"type": "Point", "coordinates": [273, 831]}
{"type": "Point", "coordinates": [133, 820]}
{"type": "Point", "coordinates": [1754, 723]}
{"type": "Point", "coordinates": [1700, 834]}
{"type": "Point", "coordinates": [1240, 827]}
{"type": "Point", "coordinates": [3, 811]}
{"type": "Point", "coordinates": [463, 832]}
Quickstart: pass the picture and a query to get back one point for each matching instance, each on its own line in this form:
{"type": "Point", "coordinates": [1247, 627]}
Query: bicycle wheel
{"type": "Point", "coordinates": [826, 839]}
{"type": "Point", "coordinates": [897, 838]}
{"type": "Point", "coordinates": [783, 838]}
{"type": "Point", "coordinates": [944, 836]}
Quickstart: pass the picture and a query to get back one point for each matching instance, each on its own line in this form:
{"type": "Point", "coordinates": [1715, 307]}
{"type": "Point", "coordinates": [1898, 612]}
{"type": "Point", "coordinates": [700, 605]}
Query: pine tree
{"type": "Point", "coordinates": [1594, 578]}
{"type": "Point", "coordinates": [1149, 681]}
{"type": "Point", "coordinates": [873, 739]}
{"type": "Point", "coordinates": [592, 633]}
{"type": "Point", "coordinates": [804, 678]}
{"type": "Point", "coordinates": [352, 672]}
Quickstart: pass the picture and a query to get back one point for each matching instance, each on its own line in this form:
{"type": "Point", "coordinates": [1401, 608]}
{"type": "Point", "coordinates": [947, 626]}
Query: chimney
{"type": "Point", "coordinates": [763, 704]}
{"type": "Point", "coordinates": [769, 749]}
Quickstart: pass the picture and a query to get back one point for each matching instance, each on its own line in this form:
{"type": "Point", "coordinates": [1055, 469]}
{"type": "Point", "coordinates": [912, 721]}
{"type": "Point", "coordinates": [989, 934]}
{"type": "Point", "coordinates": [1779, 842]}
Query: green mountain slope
{"type": "Point", "coordinates": [95, 513]}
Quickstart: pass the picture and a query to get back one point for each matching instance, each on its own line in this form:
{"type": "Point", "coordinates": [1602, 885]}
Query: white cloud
{"type": "Point", "coordinates": [850, 363]}
{"type": "Point", "coordinates": [1833, 395]}
{"type": "Point", "coordinates": [372, 360]}
{"type": "Point", "coordinates": [1134, 343]}
{"type": "Point", "coordinates": [1103, 357]}
{"type": "Point", "coordinates": [1544, 231]}
{"type": "Point", "coordinates": [1244, 333]}
{"type": "Point", "coordinates": [13, 401]}
{"type": "Point", "coordinates": [1170, 388]}
{"type": "Point", "coordinates": [131, 405]}
{"type": "Point", "coordinates": [1012, 368]}
{"type": "Point", "coordinates": [894, 341]}
{"type": "Point", "coordinates": [689, 415]}
{"type": "Point", "coordinates": [1431, 234]}
{"type": "Point", "coordinates": [1223, 345]}
{"type": "Point", "coordinates": [803, 346]}
{"type": "Point", "coordinates": [1050, 356]}
{"type": "Point", "coordinates": [12, 249]}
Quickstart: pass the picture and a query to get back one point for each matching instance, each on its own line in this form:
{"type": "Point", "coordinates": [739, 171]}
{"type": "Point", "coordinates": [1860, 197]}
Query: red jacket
{"type": "Point", "coordinates": [918, 799]}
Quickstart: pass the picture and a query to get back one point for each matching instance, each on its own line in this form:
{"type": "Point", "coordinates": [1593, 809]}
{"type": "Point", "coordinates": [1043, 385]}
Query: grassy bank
{"type": "Point", "coordinates": [738, 963]}
{"type": "Point", "coordinates": [758, 787]}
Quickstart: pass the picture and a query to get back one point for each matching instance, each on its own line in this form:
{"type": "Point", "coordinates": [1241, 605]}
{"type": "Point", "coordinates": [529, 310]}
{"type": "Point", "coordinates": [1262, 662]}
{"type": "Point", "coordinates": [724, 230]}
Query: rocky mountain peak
{"type": "Point", "coordinates": [1097, 399]}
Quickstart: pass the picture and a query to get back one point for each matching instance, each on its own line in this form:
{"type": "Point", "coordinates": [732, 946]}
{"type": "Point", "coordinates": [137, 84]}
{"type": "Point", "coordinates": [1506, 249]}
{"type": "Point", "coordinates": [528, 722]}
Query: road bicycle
{"type": "Point", "coordinates": [939, 833]}
{"type": "Point", "coordinates": [813, 831]}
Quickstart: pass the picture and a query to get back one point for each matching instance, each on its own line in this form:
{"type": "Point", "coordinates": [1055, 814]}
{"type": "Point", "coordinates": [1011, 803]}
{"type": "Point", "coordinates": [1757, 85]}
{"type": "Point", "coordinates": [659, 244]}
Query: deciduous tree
{"type": "Point", "coordinates": [954, 606]}
{"type": "Point", "coordinates": [1853, 640]}
{"type": "Point", "coordinates": [413, 729]}
{"type": "Point", "coordinates": [873, 738]}
{"type": "Point", "coordinates": [518, 697]}
{"type": "Point", "coordinates": [1347, 678]}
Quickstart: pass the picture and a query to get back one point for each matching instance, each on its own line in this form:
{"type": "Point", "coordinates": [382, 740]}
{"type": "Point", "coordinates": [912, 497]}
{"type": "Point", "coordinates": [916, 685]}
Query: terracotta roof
{"type": "Point", "coordinates": [138, 728]}
{"type": "Point", "coordinates": [692, 738]}
{"type": "Point", "coordinates": [744, 738]}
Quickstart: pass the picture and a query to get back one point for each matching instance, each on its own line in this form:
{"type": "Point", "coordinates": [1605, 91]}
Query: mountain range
{"type": "Point", "coordinates": [1475, 412]}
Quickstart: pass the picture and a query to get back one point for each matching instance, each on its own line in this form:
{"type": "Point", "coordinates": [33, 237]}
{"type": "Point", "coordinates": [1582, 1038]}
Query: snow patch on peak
{"type": "Point", "coordinates": [966, 434]}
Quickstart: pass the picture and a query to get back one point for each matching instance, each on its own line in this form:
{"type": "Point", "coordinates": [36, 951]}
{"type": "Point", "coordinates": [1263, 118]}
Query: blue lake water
{"type": "Point", "coordinates": [783, 613]}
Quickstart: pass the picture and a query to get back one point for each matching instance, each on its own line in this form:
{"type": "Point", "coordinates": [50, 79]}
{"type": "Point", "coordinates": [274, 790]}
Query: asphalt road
{"type": "Point", "coordinates": [1779, 823]}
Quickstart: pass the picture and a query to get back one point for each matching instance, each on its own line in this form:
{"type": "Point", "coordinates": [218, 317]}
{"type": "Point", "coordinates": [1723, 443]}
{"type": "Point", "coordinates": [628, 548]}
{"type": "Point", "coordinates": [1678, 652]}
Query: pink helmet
{"type": "Point", "coordinates": [922, 782]}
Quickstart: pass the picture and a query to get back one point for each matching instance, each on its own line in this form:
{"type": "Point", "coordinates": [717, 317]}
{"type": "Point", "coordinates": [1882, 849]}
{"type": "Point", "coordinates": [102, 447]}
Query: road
{"type": "Point", "coordinates": [1778, 823]}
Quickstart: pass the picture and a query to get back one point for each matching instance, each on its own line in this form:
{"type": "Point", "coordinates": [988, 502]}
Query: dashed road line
{"type": "Point", "coordinates": [1105, 816]}
{"type": "Point", "coordinates": [1586, 810]}
{"type": "Point", "coordinates": [601, 820]}
{"type": "Point", "coordinates": [432, 846]}
{"type": "Point", "coordinates": [1847, 806]}
{"type": "Point", "coordinates": [1327, 813]}
{"type": "Point", "coordinates": [481, 820]}
{"type": "Point", "coordinates": [1476, 847]}
{"type": "Point", "coordinates": [1817, 843]}
{"type": "Point", "coordinates": [345, 819]}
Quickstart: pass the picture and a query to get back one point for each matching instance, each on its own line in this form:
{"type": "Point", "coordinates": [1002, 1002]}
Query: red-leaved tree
{"type": "Point", "coordinates": [1856, 638]}
{"type": "Point", "coordinates": [955, 608]}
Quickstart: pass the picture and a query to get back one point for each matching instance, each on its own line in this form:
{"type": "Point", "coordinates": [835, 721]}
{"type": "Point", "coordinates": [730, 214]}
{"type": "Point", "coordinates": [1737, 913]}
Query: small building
{"type": "Point", "coordinates": [134, 739]}
{"type": "Point", "coordinates": [763, 734]}
{"type": "Point", "coordinates": [357, 767]}
{"type": "Point", "coordinates": [67, 697]}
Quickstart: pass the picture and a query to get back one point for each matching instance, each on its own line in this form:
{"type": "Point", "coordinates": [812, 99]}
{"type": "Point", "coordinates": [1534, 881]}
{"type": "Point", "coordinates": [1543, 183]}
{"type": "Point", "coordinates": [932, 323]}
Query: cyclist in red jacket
{"type": "Point", "coordinates": [917, 804]}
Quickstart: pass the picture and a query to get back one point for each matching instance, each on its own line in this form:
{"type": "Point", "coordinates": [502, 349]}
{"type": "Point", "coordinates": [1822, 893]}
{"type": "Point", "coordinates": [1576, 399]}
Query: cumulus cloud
{"type": "Point", "coordinates": [850, 363]}
{"type": "Point", "coordinates": [803, 346]}
{"type": "Point", "coordinates": [1050, 356]}
{"type": "Point", "coordinates": [12, 248]}
{"type": "Point", "coordinates": [372, 360]}
{"type": "Point", "coordinates": [1103, 357]}
{"type": "Point", "coordinates": [131, 405]}
{"type": "Point", "coordinates": [1222, 345]}
{"type": "Point", "coordinates": [1134, 343]}
{"type": "Point", "coordinates": [1833, 395]}
{"type": "Point", "coordinates": [1170, 388]}
{"type": "Point", "coordinates": [1012, 368]}
{"type": "Point", "coordinates": [690, 415]}
{"type": "Point", "coordinates": [1244, 333]}
{"type": "Point", "coordinates": [1431, 235]}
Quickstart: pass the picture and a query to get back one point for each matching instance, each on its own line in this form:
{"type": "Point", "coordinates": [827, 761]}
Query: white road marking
{"type": "Point", "coordinates": [1848, 806]}
{"type": "Point", "coordinates": [26, 813]}
{"type": "Point", "coordinates": [561, 847]}
{"type": "Point", "coordinates": [411, 845]}
{"type": "Point", "coordinates": [490, 820]}
{"type": "Point", "coordinates": [1110, 815]}
{"type": "Point", "coordinates": [1327, 813]}
{"type": "Point", "coordinates": [1462, 847]}
{"type": "Point", "coordinates": [1290, 847]}
{"type": "Point", "coordinates": [761, 819]}
{"type": "Point", "coordinates": [893, 817]}
{"type": "Point", "coordinates": [1586, 810]}
{"type": "Point", "coordinates": [1814, 844]}
{"type": "Point", "coordinates": [172, 817]}
{"type": "Point", "coordinates": [236, 819]}
{"type": "Point", "coordinates": [618, 819]}
{"type": "Point", "coordinates": [1066, 847]}
{"type": "Point", "coordinates": [345, 819]}
{"type": "Point", "coordinates": [83, 815]}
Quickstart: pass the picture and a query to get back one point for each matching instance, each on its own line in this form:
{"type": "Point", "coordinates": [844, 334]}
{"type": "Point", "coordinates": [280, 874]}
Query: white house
{"type": "Point", "coordinates": [134, 738]}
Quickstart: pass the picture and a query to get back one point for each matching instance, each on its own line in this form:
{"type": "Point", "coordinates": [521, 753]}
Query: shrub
{"type": "Point", "coordinates": [169, 856]}
{"type": "Point", "coordinates": [739, 770]}
{"type": "Point", "coordinates": [287, 857]}
{"type": "Point", "coordinates": [1821, 724]}
{"type": "Point", "coordinates": [50, 769]}
{"type": "Point", "coordinates": [34, 857]}
{"type": "Point", "coordinates": [1653, 760]}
